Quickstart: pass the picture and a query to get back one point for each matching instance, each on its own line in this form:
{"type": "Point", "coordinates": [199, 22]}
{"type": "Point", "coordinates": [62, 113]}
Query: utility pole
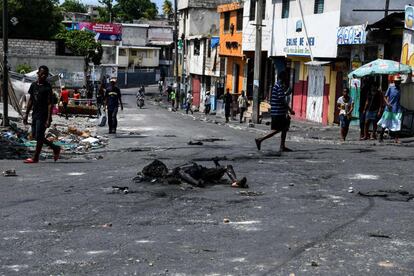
{"type": "Point", "coordinates": [387, 7]}
{"type": "Point", "coordinates": [5, 72]}
{"type": "Point", "coordinates": [257, 62]}
{"type": "Point", "coordinates": [178, 90]}
{"type": "Point", "coordinates": [183, 78]}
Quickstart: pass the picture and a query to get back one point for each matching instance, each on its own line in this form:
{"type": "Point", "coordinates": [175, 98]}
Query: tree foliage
{"type": "Point", "coordinates": [128, 10]}
{"type": "Point", "coordinates": [73, 6]}
{"type": "Point", "coordinates": [82, 43]}
{"type": "Point", "coordinates": [167, 8]}
{"type": "Point", "coordinates": [40, 19]}
{"type": "Point", "coordinates": [106, 12]}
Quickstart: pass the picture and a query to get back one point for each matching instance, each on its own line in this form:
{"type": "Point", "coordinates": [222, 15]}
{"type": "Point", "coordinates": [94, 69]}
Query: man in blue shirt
{"type": "Point", "coordinates": [392, 116]}
{"type": "Point", "coordinates": [112, 98]}
{"type": "Point", "coordinates": [279, 112]}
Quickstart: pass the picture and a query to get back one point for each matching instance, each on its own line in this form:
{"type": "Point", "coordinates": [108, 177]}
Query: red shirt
{"type": "Point", "coordinates": [65, 96]}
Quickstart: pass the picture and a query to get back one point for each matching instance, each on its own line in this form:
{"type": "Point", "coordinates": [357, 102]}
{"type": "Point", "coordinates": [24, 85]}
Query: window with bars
{"type": "Point", "coordinates": [285, 8]}
{"type": "Point", "coordinates": [239, 23]}
{"type": "Point", "coordinates": [318, 6]}
{"type": "Point", "coordinates": [226, 21]}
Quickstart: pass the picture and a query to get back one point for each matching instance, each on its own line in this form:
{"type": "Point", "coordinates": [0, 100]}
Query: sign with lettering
{"type": "Point", "coordinates": [351, 35]}
{"type": "Point", "coordinates": [299, 45]}
{"type": "Point", "coordinates": [104, 31]}
{"type": "Point", "coordinates": [409, 18]}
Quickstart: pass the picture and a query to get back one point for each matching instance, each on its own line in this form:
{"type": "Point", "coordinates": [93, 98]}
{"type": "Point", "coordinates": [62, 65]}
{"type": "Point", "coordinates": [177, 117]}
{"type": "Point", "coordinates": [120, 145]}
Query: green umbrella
{"type": "Point", "coordinates": [381, 67]}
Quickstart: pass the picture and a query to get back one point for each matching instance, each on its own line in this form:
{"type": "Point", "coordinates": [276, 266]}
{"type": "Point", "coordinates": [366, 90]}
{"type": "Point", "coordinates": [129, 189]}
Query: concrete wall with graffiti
{"type": "Point", "coordinates": [70, 67]}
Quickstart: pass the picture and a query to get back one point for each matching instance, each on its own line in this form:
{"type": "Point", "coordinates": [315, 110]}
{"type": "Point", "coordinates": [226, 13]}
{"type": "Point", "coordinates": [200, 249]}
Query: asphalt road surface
{"type": "Point", "coordinates": [299, 216]}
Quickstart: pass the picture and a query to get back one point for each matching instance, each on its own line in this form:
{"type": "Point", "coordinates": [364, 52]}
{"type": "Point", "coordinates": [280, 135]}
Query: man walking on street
{"type": "Point", "coordinates": [242, 101]}
{"type": "Point", "coordinates": [207, 103]}
{"type": "Point", "coordinates": [189, 102]}
{"type": "Point", "coordinates": [173, 96]}
{"type": "Point", "coordinates": [112, 101]}
{"type": "Point", "coordinates": [228, 99]}
{"type": "Point", "coordinates": [41, 100]}
{"type": "Point", "coordinates": [279, 113]}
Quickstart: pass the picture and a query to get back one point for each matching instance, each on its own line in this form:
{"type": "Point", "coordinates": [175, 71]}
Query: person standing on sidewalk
{"type": "Point", "coordinates": [64, 97]}
{"type": "Point", "coordinates": [345, 105]}
{"type": "Point", "coordinates": [41, 100]}
{"type": "Point", "coordinates": [242, 101]}
{"type": "Point", "coordinates": [228, 99]}
{"type": "Point", "coordinates": [279, 113]}
{"type": "Point", "coordinates": [112, 101]}
{"type": "Point", "coordinates": [372, 110]}
{"type": "Point", "coordinates": [207, 103]}
{"type": "Point", "coordinates": [391, 118]}
{"type": "Point", "coordinates": [173, 97]}
{"type": "Point", "coordinates": [189, 102]}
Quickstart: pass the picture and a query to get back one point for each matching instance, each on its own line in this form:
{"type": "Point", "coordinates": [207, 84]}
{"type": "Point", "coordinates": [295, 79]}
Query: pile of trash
{"type": "Point", "coordinates": [75, 137]}
{"type": "Point", "coordinates": [11, 146]}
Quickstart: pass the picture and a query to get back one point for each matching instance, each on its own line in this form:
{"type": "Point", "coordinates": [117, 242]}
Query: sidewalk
{"type": "Point", "coordinates": [300, 131]}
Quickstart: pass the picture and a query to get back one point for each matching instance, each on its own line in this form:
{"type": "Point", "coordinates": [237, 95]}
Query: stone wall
{"type": "Point", "coordinates": [31, 47]}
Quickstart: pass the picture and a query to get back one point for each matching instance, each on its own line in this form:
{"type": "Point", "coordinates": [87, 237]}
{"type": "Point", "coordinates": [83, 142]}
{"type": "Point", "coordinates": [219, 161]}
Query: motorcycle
{"type": "Point", "coordinates": [140, 101]}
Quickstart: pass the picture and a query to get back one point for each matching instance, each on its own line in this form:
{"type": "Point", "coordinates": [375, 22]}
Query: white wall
{"type": "Point", "coordinates": [134, 35]}
{"type": "Point", "coordinates": [195, 63]}
{"type": "Point", "coordinates": [249, 30]}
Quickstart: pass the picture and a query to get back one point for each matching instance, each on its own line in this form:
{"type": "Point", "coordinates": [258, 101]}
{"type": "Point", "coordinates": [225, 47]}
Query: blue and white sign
{"type": "Point", "coordinates": [351, 35]}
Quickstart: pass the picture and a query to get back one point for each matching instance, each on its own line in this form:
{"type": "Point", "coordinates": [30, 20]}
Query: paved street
{"type": "Point", "coordinates": [297, 218]}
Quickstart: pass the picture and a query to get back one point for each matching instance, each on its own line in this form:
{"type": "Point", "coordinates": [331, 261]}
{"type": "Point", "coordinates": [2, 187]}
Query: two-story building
{"type": "Point", "coordinates": [231, 29]}
{"type": "Point", "coordinates": [199, 59]}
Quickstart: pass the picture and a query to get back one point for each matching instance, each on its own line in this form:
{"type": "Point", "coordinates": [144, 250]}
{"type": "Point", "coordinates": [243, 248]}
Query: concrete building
{"type": "Point", "coordinates": [297, 32]}
{"type": "Point", "coordinates": [231, 29]}
{"type": "Point", "coordinates": [199, 61]}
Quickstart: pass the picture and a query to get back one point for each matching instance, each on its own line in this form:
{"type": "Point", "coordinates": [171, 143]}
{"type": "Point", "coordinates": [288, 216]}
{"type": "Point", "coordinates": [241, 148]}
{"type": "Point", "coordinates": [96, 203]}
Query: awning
{"type": "Point", "coordinates": [317, 63]}
{"type": "Point", "coordinates": [215, 41]}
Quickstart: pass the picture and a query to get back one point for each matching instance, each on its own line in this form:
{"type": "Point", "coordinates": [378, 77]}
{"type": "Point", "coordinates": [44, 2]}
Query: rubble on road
{"type": "Point", "coordinates": [11, 172]}
{"type": "Point", "coordinates": [75, 136]}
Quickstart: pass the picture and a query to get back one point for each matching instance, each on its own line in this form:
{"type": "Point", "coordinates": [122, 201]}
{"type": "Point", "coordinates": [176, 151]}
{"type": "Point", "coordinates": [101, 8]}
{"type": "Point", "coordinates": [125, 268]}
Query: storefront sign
{"type": "Point", "coordinates": [409, 18]}
{"type": "Point", "coordinates": [104, 31]}
{"type": "Point", "coordinates": [299, 45]}
{"type": "Point", "coordinates": [407, 54]}
{"type": "Point", "coordinates": [351, 35]}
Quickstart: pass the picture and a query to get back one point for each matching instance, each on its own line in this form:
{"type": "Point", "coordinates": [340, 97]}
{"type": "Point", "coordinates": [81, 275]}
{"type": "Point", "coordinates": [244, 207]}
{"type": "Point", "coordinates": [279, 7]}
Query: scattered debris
{"type": "Point", "coordinates": [211, 140]}
{"type": "Point", "coordinates": [386, 264]}
{"type": "Point", "coordinates": [250, 193]}
{"type": "Point", "coordinates": [117, 190]}
{"type": "Point", "coordinates": [315, 264]}
{"type": "Point", "coordinates": [376, 235]}
{"type": "Point", "coordinates": [11, 172]}
{"type": "Point", "coordinates": [351, 189]}
{"type": "Point", "coordinates": [391, 195]}
{"type": "Point", "coordinates": [191, 143]}
{"type": "Point", "coordinates": [16, 141]}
